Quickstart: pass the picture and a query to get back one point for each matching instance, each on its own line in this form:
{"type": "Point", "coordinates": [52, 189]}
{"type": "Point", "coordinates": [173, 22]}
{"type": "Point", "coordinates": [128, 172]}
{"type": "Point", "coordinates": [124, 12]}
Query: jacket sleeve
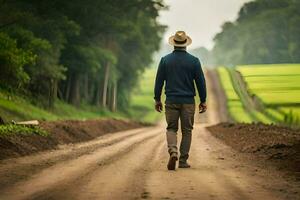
{"type": "Point", "coordinates": [159, 81]}
{"type": "Point", "coordinates": [200, 82]}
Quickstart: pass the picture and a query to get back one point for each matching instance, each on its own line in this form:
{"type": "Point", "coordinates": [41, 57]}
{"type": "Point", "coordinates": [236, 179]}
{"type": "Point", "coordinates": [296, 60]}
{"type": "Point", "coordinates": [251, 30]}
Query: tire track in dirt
{"type": "Point", "coordinates": [16, 169]}
{"type": "Point", "coordinates": [26, 166]}
{"type": "Point", "coordinates": [220, 163]}
{"type": "Point", "coordinates": [68, 171]}
{"type": "Point", "coordinates": [211, 176]}
{"type": "Point", "coordinates": [123, 178]}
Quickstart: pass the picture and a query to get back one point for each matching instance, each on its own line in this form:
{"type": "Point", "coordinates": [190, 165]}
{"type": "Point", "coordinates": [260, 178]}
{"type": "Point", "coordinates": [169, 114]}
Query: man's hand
{"type": "Point", "coordinates": [202, 107]}
{"type": "Point", "coordinates": [158, 106]}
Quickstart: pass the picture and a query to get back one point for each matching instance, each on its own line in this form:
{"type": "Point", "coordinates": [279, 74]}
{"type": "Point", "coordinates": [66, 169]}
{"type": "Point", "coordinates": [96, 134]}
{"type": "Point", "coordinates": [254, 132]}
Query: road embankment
{"type": "Point", "coordinates": [269, 144]}
{"type": "Point", "coordinates": [60, 133]}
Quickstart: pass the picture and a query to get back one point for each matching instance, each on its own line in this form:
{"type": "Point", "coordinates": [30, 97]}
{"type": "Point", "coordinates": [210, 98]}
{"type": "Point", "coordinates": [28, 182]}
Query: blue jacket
{"type": "Point", "coordinates": [179, 70]}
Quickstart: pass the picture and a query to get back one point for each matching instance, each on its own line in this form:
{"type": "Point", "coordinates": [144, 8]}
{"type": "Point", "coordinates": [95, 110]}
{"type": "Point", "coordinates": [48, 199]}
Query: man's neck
{"type": "Point", "coordinates": [179, 48]}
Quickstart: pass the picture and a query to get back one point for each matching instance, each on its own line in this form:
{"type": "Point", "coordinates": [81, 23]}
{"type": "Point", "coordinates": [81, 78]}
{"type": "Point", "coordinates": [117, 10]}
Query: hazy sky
{"type": "Point", "coordinates": [201, 19]}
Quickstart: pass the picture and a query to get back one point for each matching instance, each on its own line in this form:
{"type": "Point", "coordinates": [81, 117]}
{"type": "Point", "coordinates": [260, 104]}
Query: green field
{"type": "Point", "coordinates": [142, 105]}
{"type": "Point", "coordinates": [274, 89]}
{"type": "Point", "coordinates": [273, 84]}
{"type": "Point", "coordinates": [277, 87]}
{"type": "Point", "coordinates": [234, 103]}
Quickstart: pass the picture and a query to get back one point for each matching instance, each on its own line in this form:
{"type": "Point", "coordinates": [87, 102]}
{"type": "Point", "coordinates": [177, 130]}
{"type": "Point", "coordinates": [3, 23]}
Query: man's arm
{"type": "Point", "coordinates": [159, 83]}
{"type": "Point", "coordinates": [201, 86]}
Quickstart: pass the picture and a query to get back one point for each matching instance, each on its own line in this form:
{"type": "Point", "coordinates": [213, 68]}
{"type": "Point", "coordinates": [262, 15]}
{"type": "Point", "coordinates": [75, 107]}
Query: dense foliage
{"type": "Point", "coordinates": [79, 51]}
{"type": "Point", "coordinates": [266, 31]}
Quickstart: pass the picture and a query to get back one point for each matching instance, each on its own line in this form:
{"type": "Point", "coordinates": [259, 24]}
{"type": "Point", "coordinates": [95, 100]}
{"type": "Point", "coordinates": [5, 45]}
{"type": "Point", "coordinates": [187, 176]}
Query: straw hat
{"type": "Point", "coordinates": [180, 39]}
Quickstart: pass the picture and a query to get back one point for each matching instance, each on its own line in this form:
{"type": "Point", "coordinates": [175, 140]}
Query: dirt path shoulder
{"type": "Point", "coordinates": [60, 133]}
{"type": "Point", "coordinates": [267, 144]}
{"type": "Point", "coordinates": [217, 95]}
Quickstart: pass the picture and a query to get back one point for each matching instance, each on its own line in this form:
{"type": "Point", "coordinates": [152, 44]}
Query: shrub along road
{"type": "Point", "coordinates": [132, 165]}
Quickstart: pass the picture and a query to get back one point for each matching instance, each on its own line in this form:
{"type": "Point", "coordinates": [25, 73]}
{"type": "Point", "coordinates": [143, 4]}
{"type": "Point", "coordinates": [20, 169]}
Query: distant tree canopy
{"type": "Point", "coordinates": [89, 51]}
{"type": "Point", "coordinates": [265, 32]}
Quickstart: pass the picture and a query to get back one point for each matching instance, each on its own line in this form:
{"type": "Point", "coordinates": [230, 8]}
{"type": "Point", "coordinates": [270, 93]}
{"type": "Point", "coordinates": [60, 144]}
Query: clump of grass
{"type": "Point", "coordinates": [14, 129]}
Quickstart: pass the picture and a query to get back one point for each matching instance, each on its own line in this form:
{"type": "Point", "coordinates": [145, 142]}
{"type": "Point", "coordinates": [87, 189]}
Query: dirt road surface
{"type": "Point", "coordinates": [132, 165]}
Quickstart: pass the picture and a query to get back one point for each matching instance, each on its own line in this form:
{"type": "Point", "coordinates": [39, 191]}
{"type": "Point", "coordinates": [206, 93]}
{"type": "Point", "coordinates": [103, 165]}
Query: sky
{"type": "Point", "coordinates": [200, 19]}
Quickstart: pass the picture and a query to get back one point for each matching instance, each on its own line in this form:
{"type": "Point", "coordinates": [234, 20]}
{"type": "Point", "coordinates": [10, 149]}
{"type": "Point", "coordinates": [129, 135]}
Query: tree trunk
{"type": "Point", "coordinates": [1, 121]}
{"type": "Point", "coordinates": [114, 98]}
{"type": "Point", "coordinates": [52, 92]}
{"type": "Point", "coordinates": [59, 93]}
{"type": "Point", "coordinates": [105, 85]}
{"type": "Point", "coordinates": [97, 94]}
{"type": "Point", "coordinates": [67, 88]}
{"type": "Point", "coordinates": [91, 91]}
{"type": "Point", "coordinates": [108, 100]}
{"type": "Point", "coordinates": [74, 97]}
{"type": "Point", "coordinates": [86, 87]}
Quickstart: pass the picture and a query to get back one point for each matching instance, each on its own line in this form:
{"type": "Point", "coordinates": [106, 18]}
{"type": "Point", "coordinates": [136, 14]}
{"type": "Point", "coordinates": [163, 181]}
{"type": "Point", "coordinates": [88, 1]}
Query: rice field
{"type": "Point", "coordinates": [276, 87]}
{"type": "Point", "coordinates": [234, 104]}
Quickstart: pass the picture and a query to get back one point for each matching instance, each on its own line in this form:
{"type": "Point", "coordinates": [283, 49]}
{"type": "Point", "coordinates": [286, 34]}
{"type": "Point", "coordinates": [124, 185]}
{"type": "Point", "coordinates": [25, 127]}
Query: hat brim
{"type": "Point", "coordinates": [173, 43]}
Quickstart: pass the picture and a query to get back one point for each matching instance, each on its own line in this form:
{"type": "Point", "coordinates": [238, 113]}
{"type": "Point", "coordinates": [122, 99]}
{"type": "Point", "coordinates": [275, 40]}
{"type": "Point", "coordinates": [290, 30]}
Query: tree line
{"type": "Point", "coordinates": [89, 51]}
{"type": "Point", "coordinates": [266, 31]}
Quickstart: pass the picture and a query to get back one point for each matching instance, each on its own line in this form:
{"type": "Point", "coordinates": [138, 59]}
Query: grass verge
{"type": "Point", "coordinates": [14, 129]}
{"type": "Point", "coordinates": [18, 109]}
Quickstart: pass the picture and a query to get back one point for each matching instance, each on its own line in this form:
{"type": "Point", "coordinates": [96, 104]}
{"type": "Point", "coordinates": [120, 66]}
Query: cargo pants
{"type": "Point", "coordinates": [184, 112]}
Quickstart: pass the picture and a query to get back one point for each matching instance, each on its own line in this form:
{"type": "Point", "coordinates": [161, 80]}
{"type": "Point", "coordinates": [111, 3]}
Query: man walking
{"type": "Point", "coordinates": [178, 70]}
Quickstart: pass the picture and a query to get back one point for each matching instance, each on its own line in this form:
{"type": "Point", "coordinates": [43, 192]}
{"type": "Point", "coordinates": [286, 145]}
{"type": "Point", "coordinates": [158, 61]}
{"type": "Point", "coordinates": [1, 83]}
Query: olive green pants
{"type": "Point", "coordinates": [184, 112]}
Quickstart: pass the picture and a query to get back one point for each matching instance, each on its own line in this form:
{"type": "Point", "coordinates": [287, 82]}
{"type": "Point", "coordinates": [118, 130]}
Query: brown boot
{"type": "Point", "coordinates": [184, 165]}
{"type": "Point", "coordinates": [172, 161]}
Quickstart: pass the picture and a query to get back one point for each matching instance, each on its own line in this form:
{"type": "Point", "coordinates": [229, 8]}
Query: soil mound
{"type": "Point", "coordinates": [60, 132]}
{"type": "Point", "coordinates": [280, 145]}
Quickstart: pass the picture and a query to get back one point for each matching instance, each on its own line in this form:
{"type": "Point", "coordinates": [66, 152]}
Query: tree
{"type": "Point", "coordinates": [91, 52]}
{"type": "Point", "coordinates": [265, 32]}
{"type": "Point", "coordinates": [13, 60]}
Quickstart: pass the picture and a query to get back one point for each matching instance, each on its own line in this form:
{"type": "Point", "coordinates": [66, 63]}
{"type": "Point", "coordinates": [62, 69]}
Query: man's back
{"type": "Point", "coordinates": [179, 69]}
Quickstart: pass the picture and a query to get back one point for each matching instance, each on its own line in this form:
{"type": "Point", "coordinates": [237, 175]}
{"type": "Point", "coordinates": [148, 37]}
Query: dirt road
{"type": "Point", "coordinates": [132, 165]}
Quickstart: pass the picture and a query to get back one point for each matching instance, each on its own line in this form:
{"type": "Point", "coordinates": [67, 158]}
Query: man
{"type": "Point", "coordinates": [179, 70]}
